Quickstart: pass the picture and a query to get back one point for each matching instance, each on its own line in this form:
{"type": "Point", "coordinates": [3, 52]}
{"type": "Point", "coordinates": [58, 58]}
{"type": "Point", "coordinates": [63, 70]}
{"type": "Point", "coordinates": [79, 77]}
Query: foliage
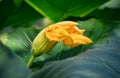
{"type": "Point", "coordinates": [22, 20]}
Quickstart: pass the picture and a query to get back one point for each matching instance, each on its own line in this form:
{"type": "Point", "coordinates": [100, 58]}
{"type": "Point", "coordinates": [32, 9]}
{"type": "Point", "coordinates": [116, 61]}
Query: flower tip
{"type": "Point", "coordinates": [88, 40]}
{"type": "Point", "coordinates": [68, 23]}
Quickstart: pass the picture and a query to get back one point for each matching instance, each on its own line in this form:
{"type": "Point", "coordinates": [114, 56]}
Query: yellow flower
{"type": "Point", "coordinates": [66, 31]}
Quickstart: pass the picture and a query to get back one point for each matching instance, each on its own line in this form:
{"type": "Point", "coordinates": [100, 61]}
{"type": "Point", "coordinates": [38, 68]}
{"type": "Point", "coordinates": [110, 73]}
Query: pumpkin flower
{"type": "Point", "coordinates": [65, 31]}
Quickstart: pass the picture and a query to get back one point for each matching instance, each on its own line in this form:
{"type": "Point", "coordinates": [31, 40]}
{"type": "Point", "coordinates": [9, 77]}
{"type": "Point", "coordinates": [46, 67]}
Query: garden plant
{"type": "Point", "coordinates": [59, 38]}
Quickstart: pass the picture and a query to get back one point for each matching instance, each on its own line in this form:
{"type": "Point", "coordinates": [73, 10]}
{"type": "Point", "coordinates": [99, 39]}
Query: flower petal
{"type": "Point", "coordinates": [59, 31]}
{"type": "Point", "coordinates": [68, 32]}
{"type": "Point", "coordinates": [56, 34]}
{"type": "Point", "coordinates": [76, 39]}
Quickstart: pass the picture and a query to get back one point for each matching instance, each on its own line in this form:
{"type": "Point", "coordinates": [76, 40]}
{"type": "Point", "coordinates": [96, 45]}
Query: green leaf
{"type": "Point", "coordinates": [16, 13]}
{"type": "Point", "coordinates": [10, 65]}
{"type": "Point", "coordinates": [111, 4]}
{"type": "Point", "coordinates": [19, 41]}
{"type": "Point", "coordinates": [102, 61]}
{"type": "Point", "coordinates": [97, 30]}
{"type": "Point", "coordinates": [7, 8]}
{"type": "Point", "coordinates": [58, 10]}
{"type": "Point", "coordinates": [17, 2]}
{"type": "Point", "coordinates": [106, 14]}
{"type": "Point", "coordinates": [23, 16]}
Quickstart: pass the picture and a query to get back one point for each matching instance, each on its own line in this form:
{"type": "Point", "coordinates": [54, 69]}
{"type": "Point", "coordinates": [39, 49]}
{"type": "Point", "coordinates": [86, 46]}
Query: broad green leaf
{"type": "Point", "coordinates": [106, 14]}
{"type": "Point", "coordinates": [57, 10]}
{"type": "Point", "coordinates": [108, 11]}
{"type": "Point", "coordinates": [19, 41]}
{"type": "Point", "coordinates": [17, 13]}
{"type": "Point", "coordinates": [111, 4]}
{"type": "Point", "coordinates": [7, 8]}
{"type": "Point", "coordinates": [102, 61]}
{"type": "Point", "coordinates": [97, 29]}
{"type": "Point", "coordinates": [17, 2]}
{"type": "Point", "coordinates": [23, 16]}
{"type": "Point", "coordinates": [11, 66]}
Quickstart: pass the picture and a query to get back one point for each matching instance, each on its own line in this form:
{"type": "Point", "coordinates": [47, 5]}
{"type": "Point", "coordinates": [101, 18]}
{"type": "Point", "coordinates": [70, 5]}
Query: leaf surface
{"type": "Point", "coordinates": [11, 66]}
{"type": "Point", "coordinates": [57, 10]}
{"type": "Point", "coordinates": [103, 61]}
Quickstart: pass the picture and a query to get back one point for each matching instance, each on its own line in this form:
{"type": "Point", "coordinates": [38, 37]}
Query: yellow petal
{"type": "Point", "coordinates": [57, 34]}
{"type": "Point", "coordinates": [76, 39]}
{"type": "Point", "coordinates": [59, 31]}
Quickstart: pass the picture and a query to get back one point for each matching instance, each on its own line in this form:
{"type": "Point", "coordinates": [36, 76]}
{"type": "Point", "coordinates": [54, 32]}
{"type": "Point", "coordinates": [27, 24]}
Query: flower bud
{"type": "Point", "coordinates": [42, 44]}
{"type": "Point", "coordinates": [63, 31]}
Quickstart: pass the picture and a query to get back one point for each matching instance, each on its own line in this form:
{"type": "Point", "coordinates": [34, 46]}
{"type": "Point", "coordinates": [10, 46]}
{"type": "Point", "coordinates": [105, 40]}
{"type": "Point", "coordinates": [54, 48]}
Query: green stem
{"type": "Point", "coordinates": [30, 61]}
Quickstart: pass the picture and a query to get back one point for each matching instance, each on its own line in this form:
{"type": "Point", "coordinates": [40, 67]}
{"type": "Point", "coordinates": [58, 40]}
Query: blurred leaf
{"type": "Point", "coordinates": [58, 10]}
{"type": "Point", "coordinates": [102, 61]}
{"type": "Point", "coordinates": [106, 14]}
{"type": "Point", "coordinates": [7, 8]}
{"type": "Point", "coordinates": [11, 66]}
{"type": "Point", "coordinates": [23, 16]}
{"type": "Point", "coordinates": [18, 42]}
{"type": "Point", "coordinates": [111, 4]}
{"type": "Point", "coordinates": [97, 29]}
{"type": "Point", "coordinates": [17, 13]}
{"type": "Point", "coordinates": [17, 2]}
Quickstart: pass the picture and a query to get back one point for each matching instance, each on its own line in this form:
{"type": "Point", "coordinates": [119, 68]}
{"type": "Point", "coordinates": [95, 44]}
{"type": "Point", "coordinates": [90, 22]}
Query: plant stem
{"type": "Point", "coordinates": [30, 61]}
